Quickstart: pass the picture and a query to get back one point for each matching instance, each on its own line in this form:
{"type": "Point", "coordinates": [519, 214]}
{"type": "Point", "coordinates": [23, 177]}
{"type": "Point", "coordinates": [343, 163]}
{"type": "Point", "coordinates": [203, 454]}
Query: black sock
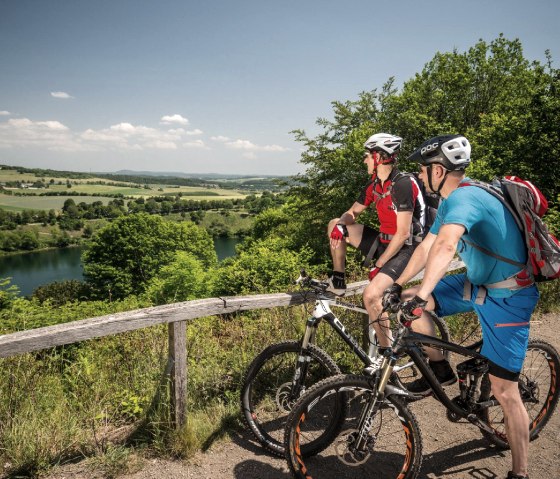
{"type": "Point", "coordinates": [338, 279]}
{"type": "Point", "coordinates": [339, 275]}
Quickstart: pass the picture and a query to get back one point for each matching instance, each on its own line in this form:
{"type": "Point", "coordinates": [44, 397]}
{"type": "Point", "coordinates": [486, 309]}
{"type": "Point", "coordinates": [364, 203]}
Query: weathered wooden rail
{"type": "Point", "coordinates": [176, 315]}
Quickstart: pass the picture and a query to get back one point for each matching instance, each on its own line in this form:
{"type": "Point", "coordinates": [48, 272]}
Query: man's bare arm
{"type": "Point", "coordinates": [349, 217]}
{"type": "Point", "coordinates": [440, 255]}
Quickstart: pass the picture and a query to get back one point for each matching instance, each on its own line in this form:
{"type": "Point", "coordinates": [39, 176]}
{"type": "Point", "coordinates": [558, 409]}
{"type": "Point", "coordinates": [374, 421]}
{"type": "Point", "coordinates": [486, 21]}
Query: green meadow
{"type": "Point", "coordinates": [103, 187]}
{"type": "Point", "coordinates": [19, 203]}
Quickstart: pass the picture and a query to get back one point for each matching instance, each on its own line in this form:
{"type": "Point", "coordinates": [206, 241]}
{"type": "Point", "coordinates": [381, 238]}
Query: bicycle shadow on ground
{"type": "Point", "coordinates": [454, 462]}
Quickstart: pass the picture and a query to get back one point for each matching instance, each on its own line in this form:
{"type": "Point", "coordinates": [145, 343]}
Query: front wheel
{"type": "Point", "coordinates": [538, 386]}
{"type": "Point", "coordinates": [267, 394]}
{"type": "Point", "coordinates": [391, 446]}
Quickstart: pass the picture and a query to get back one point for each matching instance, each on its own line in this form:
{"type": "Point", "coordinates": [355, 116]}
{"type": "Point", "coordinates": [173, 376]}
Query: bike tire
{"type": "Point", "coordinates": [540, 374]}
{"type": "Point", "coordinates": [394, 443]}
{"type": "Point", "coordinates": [266, 383]}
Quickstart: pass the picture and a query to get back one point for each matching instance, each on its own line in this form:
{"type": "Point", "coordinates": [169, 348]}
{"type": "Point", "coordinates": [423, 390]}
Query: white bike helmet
{"type": "Point", "coordinates": [453, 152]}
{"type": "Point", "coordinates": [385, 142]}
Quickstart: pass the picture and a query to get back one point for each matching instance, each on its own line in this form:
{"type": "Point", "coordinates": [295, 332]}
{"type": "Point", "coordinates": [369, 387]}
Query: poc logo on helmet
{"type": "Point", "coordinates": [429, 148]}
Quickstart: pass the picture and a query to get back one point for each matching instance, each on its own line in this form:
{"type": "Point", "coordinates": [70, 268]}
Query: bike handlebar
{"type": "Point", "coordinates": [305, 280]}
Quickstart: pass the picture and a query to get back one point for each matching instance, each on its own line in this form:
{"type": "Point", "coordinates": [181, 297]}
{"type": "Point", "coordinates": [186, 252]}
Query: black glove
{"type": "Point", "coordinates": [392, 297]}
{"type": "Point", "coordinates": [412, 309]}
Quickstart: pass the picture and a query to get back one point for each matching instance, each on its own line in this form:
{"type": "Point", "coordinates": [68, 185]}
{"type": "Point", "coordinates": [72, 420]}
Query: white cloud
{"type": "Point", "coordinates": [172, 119]}
{"type": "Point", "coordinates": [4, 113]}
{"type": "Point", "coordinates": [50, 135]}
{"type": "Point", "coordinates": [123, 136]}
{"type": "Point", "coordinates": [53, 135]}
{"type": "Point", "coordinates": [194, 132]}
{"type": "Point", "coordinates": [124, 127]}
{"type": "Point", "coordinates": [61, 94]}
{"type": "Point", "coordinates": [101, 136]}
{"type": "Point", "coordinates": [161, 145]}
{"type": "Point", "coordinates": [247, 145]}
{"type": "Point", "coordinates": [195, 144]}
{"type": "Point", "coordinates": [137, 137]}
{"type": "Point", "coordinates": [241, 145]}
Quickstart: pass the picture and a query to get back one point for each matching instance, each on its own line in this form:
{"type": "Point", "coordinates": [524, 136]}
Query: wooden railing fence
{"type": "Point", "coordinates": [175, 315]}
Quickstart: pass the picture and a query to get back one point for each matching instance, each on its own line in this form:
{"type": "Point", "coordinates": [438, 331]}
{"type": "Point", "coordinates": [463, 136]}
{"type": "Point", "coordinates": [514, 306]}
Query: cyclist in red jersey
{"type": "Point", "coordinates": [402, 213]}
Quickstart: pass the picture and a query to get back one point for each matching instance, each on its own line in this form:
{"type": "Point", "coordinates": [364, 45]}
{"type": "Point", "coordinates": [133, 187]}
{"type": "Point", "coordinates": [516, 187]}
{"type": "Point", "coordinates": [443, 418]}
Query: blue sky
{"type": "Point", "coordinates": [217, 86]}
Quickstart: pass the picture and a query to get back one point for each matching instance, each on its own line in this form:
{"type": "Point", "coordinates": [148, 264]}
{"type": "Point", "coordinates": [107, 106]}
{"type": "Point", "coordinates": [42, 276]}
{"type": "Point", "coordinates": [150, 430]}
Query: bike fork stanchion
{"type": "Point", "coordinates": [303, 358]}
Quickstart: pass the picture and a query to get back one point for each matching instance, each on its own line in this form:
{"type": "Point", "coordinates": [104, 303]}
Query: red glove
{"type": "Point", "coordinates": [373, 272]}
{"type": "Point", "coordinates": [339, 232]}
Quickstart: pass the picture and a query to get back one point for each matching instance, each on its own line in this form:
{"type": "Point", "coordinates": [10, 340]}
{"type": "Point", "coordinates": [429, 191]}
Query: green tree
{"type": "Point", "coordinates": [61, 292]}
{"type": "Point", "coordinates": [263, 267]}
{"type": "Point", "coordinates": [507, 106]}
{"type": "Point", "coordinates": [29, 240]}
{"type": "Point", "coordinates": [183, 279]}
{"type": "Point", "coordinates": [126, 254]}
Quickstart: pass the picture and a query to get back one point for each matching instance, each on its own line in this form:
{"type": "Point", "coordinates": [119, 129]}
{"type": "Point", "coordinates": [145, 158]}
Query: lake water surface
{"type": "Point", "coordinates": [31, 270]}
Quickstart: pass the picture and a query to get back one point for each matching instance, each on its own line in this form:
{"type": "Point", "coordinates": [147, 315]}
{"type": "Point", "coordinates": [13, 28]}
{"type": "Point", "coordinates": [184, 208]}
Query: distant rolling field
{"type": "Point", "coordinates": [59, 185]}
{"type": "Point", "coordinates": [19, 203]}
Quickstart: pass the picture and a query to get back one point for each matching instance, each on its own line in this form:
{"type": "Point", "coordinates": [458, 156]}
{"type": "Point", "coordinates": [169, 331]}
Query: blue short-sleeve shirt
{"type": "Point", "coordinates": [488, 224]}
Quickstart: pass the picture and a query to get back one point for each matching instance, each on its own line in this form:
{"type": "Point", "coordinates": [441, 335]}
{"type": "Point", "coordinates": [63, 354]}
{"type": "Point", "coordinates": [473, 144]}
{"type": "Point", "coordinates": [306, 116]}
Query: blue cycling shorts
{"type": "Point", "coordinates": [504, 321]}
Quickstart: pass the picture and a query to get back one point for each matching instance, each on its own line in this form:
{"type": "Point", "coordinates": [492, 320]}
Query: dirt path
{"type": "Point", "coordinates": [451, 450]}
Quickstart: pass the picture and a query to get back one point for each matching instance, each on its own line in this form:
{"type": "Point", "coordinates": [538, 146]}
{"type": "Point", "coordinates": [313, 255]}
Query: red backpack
{"type": "Point", "coordinates": [527, 205]}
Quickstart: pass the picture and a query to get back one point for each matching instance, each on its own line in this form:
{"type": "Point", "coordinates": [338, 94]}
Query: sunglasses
{"type": "Point", "coordinates": [369, 152]}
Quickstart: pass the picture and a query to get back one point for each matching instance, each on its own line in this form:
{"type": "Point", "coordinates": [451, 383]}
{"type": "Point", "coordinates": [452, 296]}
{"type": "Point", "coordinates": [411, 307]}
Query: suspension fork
{"type": "Point", "coordinates": [300, 372]}
{"type": "Point", "coordinates": [366, 418]}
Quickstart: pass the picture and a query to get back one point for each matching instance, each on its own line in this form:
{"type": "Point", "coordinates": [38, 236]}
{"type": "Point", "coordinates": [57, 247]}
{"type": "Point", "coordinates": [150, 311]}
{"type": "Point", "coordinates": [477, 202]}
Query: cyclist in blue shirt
{"type": "Point", "coordinates": [502, 295]}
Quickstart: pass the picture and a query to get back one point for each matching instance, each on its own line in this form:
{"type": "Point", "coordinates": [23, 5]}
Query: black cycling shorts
{"type": "Point", "coordinates": [395, 266]}
{"type": "Point", "coordinates": [503, 373]}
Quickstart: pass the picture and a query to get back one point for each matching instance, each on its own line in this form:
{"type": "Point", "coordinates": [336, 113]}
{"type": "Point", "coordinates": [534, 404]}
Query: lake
{"type": "Point", "coordinates": [31, 270]}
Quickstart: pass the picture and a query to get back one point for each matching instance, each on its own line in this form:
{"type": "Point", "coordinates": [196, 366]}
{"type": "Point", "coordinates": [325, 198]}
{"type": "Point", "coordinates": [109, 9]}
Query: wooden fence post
{"type": "Point", "coordinates": [178, 361]}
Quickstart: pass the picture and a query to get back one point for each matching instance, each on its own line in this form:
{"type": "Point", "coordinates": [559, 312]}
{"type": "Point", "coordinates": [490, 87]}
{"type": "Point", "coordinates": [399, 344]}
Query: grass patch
{"type": "Point", "coordinates": [115, 460]}
{"type": "Point", "coordinates": [204, 428]}
{"type": "Point", "coordinates": [20, 203]}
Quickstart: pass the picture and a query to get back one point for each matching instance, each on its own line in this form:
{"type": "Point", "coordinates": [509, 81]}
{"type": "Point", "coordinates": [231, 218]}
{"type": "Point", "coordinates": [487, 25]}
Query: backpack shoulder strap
{"type": "Point", "coordinates": [494, 255]}
{"type": "Point", "coordinates": [498, 194]}
{"type": "Point", "coordinates": [402, 174]}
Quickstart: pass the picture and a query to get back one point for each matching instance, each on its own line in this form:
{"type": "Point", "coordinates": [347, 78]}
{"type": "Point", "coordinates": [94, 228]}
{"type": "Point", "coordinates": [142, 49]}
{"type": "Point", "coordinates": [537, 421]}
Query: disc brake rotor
{"type": "Point", "coordinates": [346, 452]}
{"type": "Point", "coordinates": [284, 399]}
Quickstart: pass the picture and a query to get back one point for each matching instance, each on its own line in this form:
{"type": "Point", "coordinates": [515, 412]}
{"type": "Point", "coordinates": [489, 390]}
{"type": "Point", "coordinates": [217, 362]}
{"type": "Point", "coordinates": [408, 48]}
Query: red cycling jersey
{"type": "Point", "coordinates": [394, 195]}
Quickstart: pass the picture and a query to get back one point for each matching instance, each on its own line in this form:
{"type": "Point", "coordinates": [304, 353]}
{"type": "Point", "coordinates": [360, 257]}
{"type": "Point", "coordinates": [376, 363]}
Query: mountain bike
{"type": "Point", "coordinates": [282, 372]}
{"type": "Point", "coordinates": [379, 437]}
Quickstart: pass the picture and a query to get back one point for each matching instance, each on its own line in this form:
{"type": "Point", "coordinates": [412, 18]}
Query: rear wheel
{"type": "Point", "coordinates": [267, 396]}
{"type": "Point", "coordinates": [538, 386]}
{"type": "Point", "coordinates": [392, 446]}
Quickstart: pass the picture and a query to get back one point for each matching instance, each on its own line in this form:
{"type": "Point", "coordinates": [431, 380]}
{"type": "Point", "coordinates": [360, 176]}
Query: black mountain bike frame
{"type": "Point", "coordinates": [409, 342]}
